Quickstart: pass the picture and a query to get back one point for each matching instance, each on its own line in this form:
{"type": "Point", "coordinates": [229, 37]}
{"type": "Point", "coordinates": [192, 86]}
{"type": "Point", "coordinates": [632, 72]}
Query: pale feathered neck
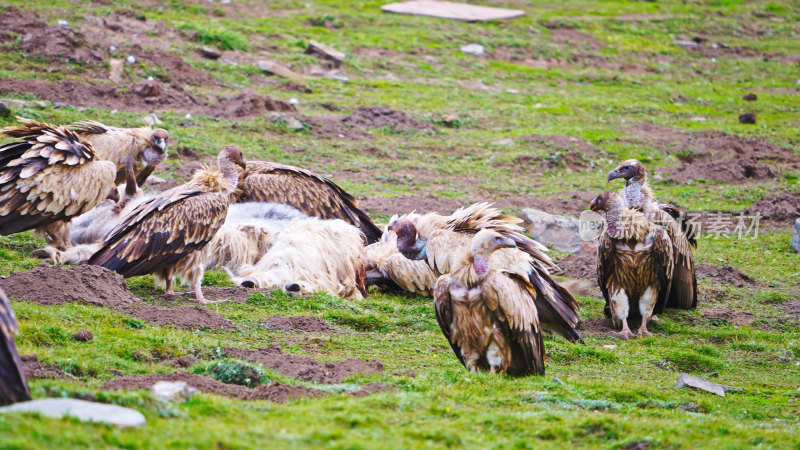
{"type": "Point", "coordinates": [464, 270]}
{"type": "Point", "coordinates": [624, 223]}
{"type": "Point", "coordinates": [215, 180]}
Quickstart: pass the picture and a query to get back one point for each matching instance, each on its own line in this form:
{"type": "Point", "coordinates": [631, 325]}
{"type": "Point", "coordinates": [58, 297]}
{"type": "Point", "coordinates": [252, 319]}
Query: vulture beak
{"type": "Point", "coordinates": [241, 164]}
{"type": "Point", "coordinates": [595, 205]}
{"type": "Point", "coordinates": [418, 251]}
{"type": "Point", "coordinates": [614, 174]}
{"type": "Point", "coordinates": [509, 243]}
{"type": "Point", "coordinates": [113, 195]}
{"type": "Point", "coordinates": [162, 144]}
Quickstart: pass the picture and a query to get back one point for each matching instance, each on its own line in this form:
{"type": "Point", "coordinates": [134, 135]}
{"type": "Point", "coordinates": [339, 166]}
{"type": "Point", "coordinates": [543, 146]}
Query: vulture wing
{"type": "Point", "coordinates": [442, 303]}
{"type": "Point", "coordinates": [511, 299]}
{"type": "Point", "coordinates": [605, 268]}
{"type": "Point", "coordinates": [162, 230]}
{"type": "Point", "coordinates": [683, 293]}
{"type": "Point", "coordinates": [13, 387]}
{"type": "Point", "coordinates": [48, 176]}
{"type": "Point", "coordinates": [113, 144]}
{"type": "Point", "coordinates": [310, 193]}
{"type": "Point", "coordinates": [664, 264]}
{"type": "Point", "coordinates": [411, 276]}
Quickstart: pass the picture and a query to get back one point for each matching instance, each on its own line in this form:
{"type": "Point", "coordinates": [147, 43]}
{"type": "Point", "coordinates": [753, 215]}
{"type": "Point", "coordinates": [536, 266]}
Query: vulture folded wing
{"type": "Point", "coordinates": [683, 293]}
{"type": "Point", "coordinates": [664, 265]}
{"type": "Point", "coordinates": [442, 303]}
{"type": "Point", "coordinates": [162, 230]}
{"type": "Point", "coordinates": [310, 193]}
{"type": "Point", "coordinates": [511, 299]}
{"type": "Point", "coordinates": [13, 387]}
{"type": "Point", "coordinates": [606, 265]}
{"type": "Point", "coordinates": [442, 248]}
{"type": "Point", "coordinates": [411, 276]}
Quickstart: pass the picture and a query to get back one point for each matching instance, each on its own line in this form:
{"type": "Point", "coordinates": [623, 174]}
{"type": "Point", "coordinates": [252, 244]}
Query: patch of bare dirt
{"type": "Point", "coordinates": [246, 105]}
{"type": "Point", "coordinates": [792, 308]}
{"type": "Point", "coordinates": [726, 171]}
{"type": "Point", "coordinates": [563, 152]}
{"type": "Point", "coordinates": [371, 388]}
{"type": "Point", "coordinates": [301, 324]}
{"type": "Point", "coordinates": [579, 265]}
{"type": "Point", "coordinates": [34, 368]}
{"type": "Point", "coordinates": [382, 116]}
{"type": "Point", "coordinates": [574, 38]}
{"type": "Point", "coordinates": [567, 202]}
{"type": "Point", "coordinates": [180, 71]}
{"type": "Point", "coordinates": [407, 203]}
{"type": "Point", "coordinates": [181, 362]}
{"type": "Point", "coordinates": [726, 316]}
{"type": "Point", "coordinates": [306, 369]}
{"type": "Point", "coordinates": [94, 285]}
{"type": "Point", "coordinates": [724, 274]}
{"type": "Point", "coordinates": [275, 391]}
{"type": "Point", "coordinates": [598, 325]}
{"type": "Point", "coordinates": [779, 208]}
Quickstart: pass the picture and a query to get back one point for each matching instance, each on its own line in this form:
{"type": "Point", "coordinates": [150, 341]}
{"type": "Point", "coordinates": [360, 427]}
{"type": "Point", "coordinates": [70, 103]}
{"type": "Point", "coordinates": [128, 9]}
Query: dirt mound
{"type": "Point", "coordinates": [726, 170]}
{"type": "Point", "coordinates": [781, 207]}
{"type": "Point", "coordinates": [182, 361]}
{"type": "Point", "coordinates": [299, 324]}
{"type": "Point", "coordinates": [597, 325]}
{"type": "Point", "coordinates": [792, 308]}
{"type": "Point", "coordinates": [563, 152]}
{"type": "Point", "coordinates": [248, 105]}
{"type": "Point", "coordinates": [55, 285]}
{"type": "Point", "coordinates": [407, 203]}
{"type": "Point", "coordinates": [579, 266]}
{"type": "Point", "coordinates": [34, 368]}
{"type": "Point", "coordinates": [178, 70]}
{"type": "Point", "coordinates": [59, 42]}
{"type": "Point", "coordinates": [724, 316]}
{"type": "Point", "coordinates": [724, 274]}
{"type": "Point", "coordinates": [189, 317]}
{"type": "Point", "coordinates": [568, 202]}
{"type": "Point", "coordinates": [275, 391]}
{"type": "Point", "coordinates": [371, 388]}
{"type": "Point", "coordinates": [306, 369]}
{"type": "Point", "coordinates": [382, 116]}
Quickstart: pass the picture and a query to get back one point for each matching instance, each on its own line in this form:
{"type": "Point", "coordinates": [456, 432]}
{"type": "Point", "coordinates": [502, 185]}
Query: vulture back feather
{"type": "Point", "coordinates": [13, 385]}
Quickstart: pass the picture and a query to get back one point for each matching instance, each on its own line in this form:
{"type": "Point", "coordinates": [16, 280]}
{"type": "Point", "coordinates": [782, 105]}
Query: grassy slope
{"type": "Point", "coordinates": [609, 398]}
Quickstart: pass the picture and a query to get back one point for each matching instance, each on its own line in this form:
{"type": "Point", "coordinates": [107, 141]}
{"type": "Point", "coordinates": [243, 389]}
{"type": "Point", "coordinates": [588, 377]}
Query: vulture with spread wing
{"type": "Point", "coordinates": [442, 237]}
{"type": "Point", "coordinates": [638, 195]}
{"type": "Point", "coordinates": [13, 386]}
{"type": "Point", "coordinates": [112, 144]}
{"type": "Point", "coordinates": [487, 314]}
{"type": "Point", "coordinates": [634, 263]}
{"type": "Point", "coordinates": [310, 193]}
{"type": "Point", "coordinates": [162, 235]}
{"type": "Point", "coordinates": [47, 177]}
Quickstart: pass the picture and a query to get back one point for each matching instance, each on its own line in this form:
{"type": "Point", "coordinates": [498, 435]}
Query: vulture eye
{"type": "Point", "coordinates": [498, 239]}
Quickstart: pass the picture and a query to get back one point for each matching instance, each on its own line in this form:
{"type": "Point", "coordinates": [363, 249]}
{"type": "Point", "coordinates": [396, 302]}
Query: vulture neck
{"type": "Point", "coordinates": [615, 226]}
{"type": "Point", "coordinates": [470, 270]}
{"type": "Point", "coordinates": [229, 172]}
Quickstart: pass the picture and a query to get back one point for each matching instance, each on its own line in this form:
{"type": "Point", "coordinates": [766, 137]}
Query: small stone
{"type": "Point", "coordinates": [751, 97]}
{"type": "Point", "coordinates": [188, 116]}
{"type": "Point", "coordinates": [131, 59]}
{"type": "Point", "coordinates": [562, 232]}
{"type": "Point", "coordinates": [698, 119]}
{"type": "Point", "coordinates": [152, 179]}
{"type": "Point", "coordinates": [326, 52]}
{"type": "Point", "coordinates": [686, 44]}
{"type": "Point", "coordinates": [473, 49]}
{"type": "Point", "coordinates": [749, 118]}
{"type": "Point", "coordinates": [795, 242]}
{"type": "Point", "coordinates": [4, 110]}
{"type": "Point", "coordinates": [80, 409]}
{"type": "Point", "coordinates": [504, 142]}
{"type": "Point", "coordinates": [697, 383]}
{"type": "Point", "coordinates": [148, 88]}
{"type": "Point", "coordinates": [294, 101]}
{"type": "Point", "coordinates": [151, 119]}
{"type": "Point", "coordinates": [335, 75]}
{"type": "Point", "coordinates": [173, 390]}
{"type": "Point", "coordinates": [116, 70]}
{"type": "Point", "coordinates": [277, 69]}
{"type": "Point", "coordinates": [63, 23]}
{"type": "Point", "coordinates": [114, 111]}
{"type": "Point", "coordinates": [512, 91]}
{"type": "Point", "coordinates": [294, 124]}
{"type": "Point", "coordinates": [559, 381]}
{"type": "Point", "coordinates": [610, 347]}
{"type": "Point", "coordinates": [210, 53]}
{"type": "Point", "coordinates": [112, 48]}
{"type": "Point", "coordinates": [83, 336]}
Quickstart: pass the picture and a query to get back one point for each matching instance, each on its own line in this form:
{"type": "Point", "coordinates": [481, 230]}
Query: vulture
{"type": "Point", "coordinates": [164, 234]}
{"type": "Point", "coordinates": [388, 267]}
{"type": "Point", "coordinates": [638, 195]}
{"type": "Point", "coordinates": [112, 143]}
{"type": "Point", "coordinates": [47, 177]}
{"type": "Point", "coordinates": [312, 194]}
{"type": "Point", "coordinates": [634, 263]}
{"type": "Point", "coordinates": [13, 386]}
{"type": "Point", "coordinates": [488, 314]}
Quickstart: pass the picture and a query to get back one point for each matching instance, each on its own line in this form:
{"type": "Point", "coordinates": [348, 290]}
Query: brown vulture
{"type": "Point", "coordinates": [388, 267]}
{"type": "Point", "coordinates": [113, 144]}
{"type": "Point", "coordinates": [634, 263]}
{"type": "Point", "coordinates": [47, 177]}
{"type": "Point", "coordinates": [13, 386]}
{"type": "Point", "coordinates": [637, 194]}
{"type": "Point", "coordinates": [557, 308]}
{"type": "Point", "coordinates": [310, 193]}
{"type": "Point", "coordinates": [488, 314]}
{"type": "Point", "coordinates": [162, 235]}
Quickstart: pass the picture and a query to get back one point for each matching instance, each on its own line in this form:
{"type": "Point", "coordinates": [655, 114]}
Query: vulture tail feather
{"type": "Point", "coordinates": [13, 385]}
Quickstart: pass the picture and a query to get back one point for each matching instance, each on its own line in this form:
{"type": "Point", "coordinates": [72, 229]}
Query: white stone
{"type": "Point", "coordinates": [506, 141]}
{"type": "Point", "coordinates": [697, 383]}
{"type": "Point", "coordinates": [188, 116]}
{"type": "Point", "coordinates": [294, 101]}
{"type": "Point", "coordinates": [796, 236]}
{"type": "Point", "coordinates": [561, 232]}
{"type": "Point", "coordinates": [698, 119]}
{"type": "Point", "coordinates": [683, 43]}
{"type": "Point", "coordinates": [131, 59]}
{"type": "Point", "coordinates": [473, 49]}
{"type": "Point", "coordinates": [173, 390]}
{"type": "Point", "coordinates": [63, 23]}
{"type": "Point", "coordinates": [610, 347]}
{"type": "Point", "coordinates": [512, 91]}
{"type": "Point", "coordinates": [113, 48]}
{"type": "Point", "coordinates": [81, 409]}
{"type": "Point", "coordinates": [151, 119]}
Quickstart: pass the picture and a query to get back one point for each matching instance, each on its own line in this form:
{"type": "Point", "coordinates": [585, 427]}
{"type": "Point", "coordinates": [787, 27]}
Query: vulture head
{"type": "Point", "coordinates": [630, 170]}
{"type": "Point", "coordinates": [407, 242]}
{"type": "Point", "coordinates": [484, 244]}
{"type": "Point", "coordinates": [231, 153]}
{"type": "Point", "coordinates": [604, 202]}
{"type": "Point", "coordinates": [156, 149]}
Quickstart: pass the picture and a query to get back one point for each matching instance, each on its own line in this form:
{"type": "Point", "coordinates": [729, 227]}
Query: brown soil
{"type": "Point", "coordinates": [724, 274]}
{"type": "Point", "coordinates": [598, 325]}
{"type": "Point", "coordinates": [725, 316]}
{"type": "Point", "coordinates": [778, 208]}
{"type": "Point", "coordinates": [568, 202]}
{"type": "Point", "coordinates": [181, 362]}
{"type": "Point", "coordinates": [371, 388]}
{"type": "Point", "coordinates": [382, 116]}
{"type": "Point", "coordinates": [33, 368]}
{"type": "Point", "coordinates": [306, 369]}
{"type": "Point", "coordinates": [574, 38]}
{"type": "Point", "coordinates": [792, 308]}
{"type": "Point", "coordinates": [246, 105]}
{"type": "Point", "coordinates": [406, 203]}
{"type": "Point", "coordinates": [93, 285]}
{"type": "Point", "coordinates": [83, 336]}
{"type": "Point", "coordinates": [301, 324]}
{"type": "Point", "coordinates": [579, 266]}
{"type": "Point", "coordinates": [726, 170]}
{"type": "Point", "coordinates": [275, 391]}
{"type": "Point", "coordinates": [564, 152]}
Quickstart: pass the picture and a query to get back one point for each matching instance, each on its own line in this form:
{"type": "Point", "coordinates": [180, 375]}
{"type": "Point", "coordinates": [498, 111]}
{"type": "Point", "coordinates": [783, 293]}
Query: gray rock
{"type": "Point", "coordinates": [326, 52]}
{"type": "Point", "coordinates": [473, 49]}
{"type": "Point", "coordinates": [151, 119]}
{"type": "Point", "coordinates": [796, 236]}
{"type": "Point", "coordinates": [697, 383]}
{"type": "Point", "coordinates": [294, 124]}
{"type": "Point", "coordinates": [173, 390]}
{"type": "Point", "coordinates": [4, 110]}
{"type": "Point", "coordinates": [83, 410]}
{"type": "Point", "coordinates": [561, 232]}
{"type": "Point", "coordinates": [280, 70]}
{"type": "Point", "coordinates": [686, 44]}
{"type": "Point", "coordinates": [210, 53]}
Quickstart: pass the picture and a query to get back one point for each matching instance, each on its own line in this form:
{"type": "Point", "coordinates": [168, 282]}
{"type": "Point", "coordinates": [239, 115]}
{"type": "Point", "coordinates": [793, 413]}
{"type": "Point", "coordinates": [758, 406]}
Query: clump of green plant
{"type": "Point", "coordinates": [232, 371]}
{"type": "Point", "coordinates": [220, 37]}
{"type": "Point", "coordinates": [693, 362]}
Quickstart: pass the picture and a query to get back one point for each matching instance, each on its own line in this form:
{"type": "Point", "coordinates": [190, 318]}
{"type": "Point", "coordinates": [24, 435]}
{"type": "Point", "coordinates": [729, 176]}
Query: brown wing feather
{"type": "Point", "coordinates": [310, 193]}
{"type": "Point", "coordinates": [683, 293]}
{"type": "Point", "coordinates": [163, 230]}
{"type": "Point", "coordinates": [511, 299]}
{"type": "Point", "coordinates": [605, 268]}
{"type": "Point", "coordinates": [442, 303]}
{"type": "Point", "coordinates": [663, 268]}
{"type": "Point", "coordinates": [13, 387]}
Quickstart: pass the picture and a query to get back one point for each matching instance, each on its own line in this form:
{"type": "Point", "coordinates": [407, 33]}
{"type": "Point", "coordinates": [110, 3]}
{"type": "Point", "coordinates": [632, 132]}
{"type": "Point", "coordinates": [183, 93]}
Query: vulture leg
{"type": "Point", "coordinates": [626, 332]}
{"type": "Point", "coordinates": [619, 310]}
{"type": "Point", "coordinates": [646, 304]}
{"type": "Point", "coordinates": [49, 255]}
{"type": "Point", "coordinates": [198, 294]}
{"type": "Point", "coordinates": [643, 328]}
{"type": "Point", "coordinates": [168, 279]}
{"type": "Point", "coordinates": [56, 234]}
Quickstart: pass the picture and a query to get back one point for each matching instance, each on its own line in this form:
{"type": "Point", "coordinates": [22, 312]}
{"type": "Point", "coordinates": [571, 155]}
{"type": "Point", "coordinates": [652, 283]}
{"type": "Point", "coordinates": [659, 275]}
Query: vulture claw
{"type": "Point", "coordinates": [626, 334]}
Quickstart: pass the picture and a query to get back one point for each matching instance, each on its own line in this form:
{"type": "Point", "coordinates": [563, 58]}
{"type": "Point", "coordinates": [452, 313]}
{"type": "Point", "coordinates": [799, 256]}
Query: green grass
{"type": "Point", "coordinates": [632, 73]}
